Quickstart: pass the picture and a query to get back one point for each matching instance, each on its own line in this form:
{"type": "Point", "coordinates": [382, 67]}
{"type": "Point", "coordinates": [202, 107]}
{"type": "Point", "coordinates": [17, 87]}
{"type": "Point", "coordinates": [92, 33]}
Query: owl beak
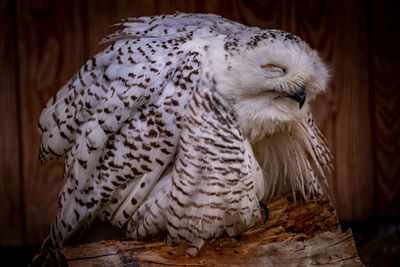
{"type": "Point", "coordinates": [299, 96]}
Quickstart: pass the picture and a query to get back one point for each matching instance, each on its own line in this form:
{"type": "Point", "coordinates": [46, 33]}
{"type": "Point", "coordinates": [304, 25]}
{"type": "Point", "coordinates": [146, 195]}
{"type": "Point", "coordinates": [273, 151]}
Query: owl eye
{"type": "Point", "coordinates": [273, 71]}
{"type": "Point", "coordinates": [269, 66]}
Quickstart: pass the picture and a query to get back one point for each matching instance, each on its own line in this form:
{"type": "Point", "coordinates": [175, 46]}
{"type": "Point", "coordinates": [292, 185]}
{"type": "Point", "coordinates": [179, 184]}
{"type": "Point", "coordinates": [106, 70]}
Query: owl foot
{"type": "Point", "coordinates": [262, 205]}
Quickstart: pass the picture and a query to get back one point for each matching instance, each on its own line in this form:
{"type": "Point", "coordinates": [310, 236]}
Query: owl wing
{"type": "Point", "coordinates": [214, 184]}
{"type": "Point", "coordinates": [110, 87]}
{"type": "Point", "coordinates": [178, 25]}
{"type": "Point", "coordinates": [101, 97]}
{"type": "Point", "coordinates": [118, 120]}
{"type": "Point", "coordinates": [125, 89]}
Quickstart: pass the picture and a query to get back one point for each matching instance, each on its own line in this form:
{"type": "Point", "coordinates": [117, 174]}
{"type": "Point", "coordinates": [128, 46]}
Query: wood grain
{"type": "Point", "coordinates": [11, 198]}
{"type": "Point", "coordinates": [350, 111]}
{"type": "Point", "coordinates": [385, 65]}
{"type": "Point", "coordinates": [50, 40]}
{"type": "Point", "coordinates": [296, 234]}
{"type": "Point", "coordinates": [325, 249]}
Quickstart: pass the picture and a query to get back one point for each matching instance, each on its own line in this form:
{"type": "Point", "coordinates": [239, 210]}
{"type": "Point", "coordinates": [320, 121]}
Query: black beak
{"type": "Point", "coordinates": [299, 96]}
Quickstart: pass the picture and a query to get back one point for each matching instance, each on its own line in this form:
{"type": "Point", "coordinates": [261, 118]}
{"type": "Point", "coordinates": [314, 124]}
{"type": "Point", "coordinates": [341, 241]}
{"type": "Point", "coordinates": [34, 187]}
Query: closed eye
{"type": "Point", "coordinates": [269, 66]}
{"type": "Point", "coordinates": [273, 67]}
{"type": "Point", "coordinates": [273, 71]}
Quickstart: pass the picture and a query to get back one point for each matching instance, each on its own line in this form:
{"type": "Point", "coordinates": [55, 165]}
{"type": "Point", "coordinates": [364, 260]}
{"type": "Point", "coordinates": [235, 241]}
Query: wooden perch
{"type": "Point", "coordinates": [295, 234]}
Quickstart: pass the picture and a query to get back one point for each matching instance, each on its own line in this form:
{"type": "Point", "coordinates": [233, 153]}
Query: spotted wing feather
{"type": "Point", "coordinates": [95, 113]}
{"type": "Point", "coordinates": [211, 187]}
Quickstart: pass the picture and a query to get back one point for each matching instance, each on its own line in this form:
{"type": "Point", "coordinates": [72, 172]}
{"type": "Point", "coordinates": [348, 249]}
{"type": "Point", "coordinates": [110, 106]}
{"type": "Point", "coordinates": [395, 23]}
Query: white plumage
{"type": "Point", "coordinates": [183, 124]}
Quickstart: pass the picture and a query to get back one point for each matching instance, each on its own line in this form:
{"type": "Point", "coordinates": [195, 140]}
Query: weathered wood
{"type": "Point", "coordinates": [301, 233]}
{"type": "Point", "coordinates": [50, 42]}
{"type": "Point", "coordinates": [11, 208]}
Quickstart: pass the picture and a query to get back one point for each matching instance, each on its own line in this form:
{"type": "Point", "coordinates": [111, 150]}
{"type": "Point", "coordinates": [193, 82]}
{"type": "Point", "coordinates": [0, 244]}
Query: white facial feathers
{"type": "Point", "coordinates": [260, 71]}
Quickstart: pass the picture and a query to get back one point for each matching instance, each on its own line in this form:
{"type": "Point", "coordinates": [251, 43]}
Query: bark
{"type": "Point", "coordinates": [296, 233]}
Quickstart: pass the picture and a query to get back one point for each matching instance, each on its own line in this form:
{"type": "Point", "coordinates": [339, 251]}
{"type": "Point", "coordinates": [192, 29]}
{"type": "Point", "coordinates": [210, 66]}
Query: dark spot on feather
{"type": "Point", "coordinates": [76, 215]}
{"type": "Point", "coordinates": [126, 215]}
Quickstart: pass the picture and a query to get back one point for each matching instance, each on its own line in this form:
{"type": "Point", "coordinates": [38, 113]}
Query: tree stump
{"type": "Point", "coordinates": [296, 234]}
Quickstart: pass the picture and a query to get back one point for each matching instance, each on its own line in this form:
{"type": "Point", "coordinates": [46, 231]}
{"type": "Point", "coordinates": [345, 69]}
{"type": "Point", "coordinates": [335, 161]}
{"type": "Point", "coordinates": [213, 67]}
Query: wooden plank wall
{"type": "Point", "coordinates": [51, 48]}
{"type": "Point", "coordinates": [43, 43]}
{"type": "Point", "coordinates": [385, 81]}
{"type": "Point", "coordinates": [11, 202]}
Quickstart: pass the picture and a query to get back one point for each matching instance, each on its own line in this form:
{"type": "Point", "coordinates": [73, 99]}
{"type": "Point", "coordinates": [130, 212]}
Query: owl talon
{"type": "Point", "coordinates": [262, 205]}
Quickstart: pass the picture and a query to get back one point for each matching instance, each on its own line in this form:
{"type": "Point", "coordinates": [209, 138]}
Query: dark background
{"type": "Point", "coordinates": [43, 43]}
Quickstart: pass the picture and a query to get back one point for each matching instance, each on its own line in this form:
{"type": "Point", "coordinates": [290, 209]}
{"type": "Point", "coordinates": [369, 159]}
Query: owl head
{"type": "Point", "coordinates": [270, 76]}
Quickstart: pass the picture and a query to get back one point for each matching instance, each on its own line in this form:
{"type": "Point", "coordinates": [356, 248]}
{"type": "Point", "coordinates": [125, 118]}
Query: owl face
{"type": "Point", "coordinates": [281, 69]}
{"type": "Point", "coordinates": [271, 80]}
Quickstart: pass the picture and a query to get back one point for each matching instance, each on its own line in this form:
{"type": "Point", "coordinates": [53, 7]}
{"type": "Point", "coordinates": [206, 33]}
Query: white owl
{"type": "Point", "coordinates": [182, 125]}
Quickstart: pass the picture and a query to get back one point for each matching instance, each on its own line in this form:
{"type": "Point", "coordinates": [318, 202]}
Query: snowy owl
{"type": "Point", "coordinates": [182, 125]}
